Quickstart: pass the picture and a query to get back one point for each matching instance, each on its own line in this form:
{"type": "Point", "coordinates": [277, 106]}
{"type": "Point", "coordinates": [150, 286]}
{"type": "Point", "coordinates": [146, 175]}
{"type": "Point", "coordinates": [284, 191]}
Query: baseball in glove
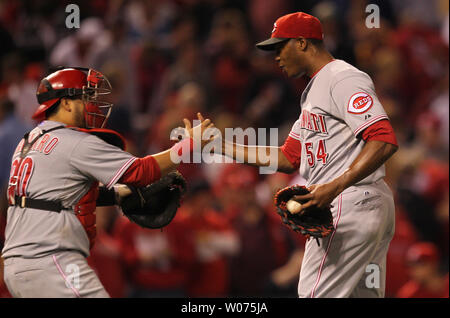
{"type": "Point", "coordinates": [155, 205]}
{"type": "Point", "coordinates": [313, 221]}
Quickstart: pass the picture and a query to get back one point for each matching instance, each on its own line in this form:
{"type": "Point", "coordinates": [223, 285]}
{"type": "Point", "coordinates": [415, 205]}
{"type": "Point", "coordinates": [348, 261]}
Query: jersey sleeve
{"type": "Point", "coordinates": [380, 131]}
{"type": "Point", "coordinates": [295, 130]}
{"type": "Point", "coordinates": [292, 146]}
{"type": "Point", "coordinates": [99, 160]}
{"type": "Point", "coordinates": [142, 172]}
{"type": "Point", "coordinates": [356, 103]}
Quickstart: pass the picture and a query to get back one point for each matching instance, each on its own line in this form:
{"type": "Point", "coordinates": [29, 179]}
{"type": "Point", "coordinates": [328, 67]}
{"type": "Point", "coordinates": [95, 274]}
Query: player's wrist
{"type": "Point", "coordinates": [339, 185]}
{"type": "Point", "coordinates": [182, 150]}
{"type": "Point", "coordinates": [121, 191]}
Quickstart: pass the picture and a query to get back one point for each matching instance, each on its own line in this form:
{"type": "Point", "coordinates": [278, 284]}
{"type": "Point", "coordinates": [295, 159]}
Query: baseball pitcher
{"type": "Point", "coordinates": [339, 143]}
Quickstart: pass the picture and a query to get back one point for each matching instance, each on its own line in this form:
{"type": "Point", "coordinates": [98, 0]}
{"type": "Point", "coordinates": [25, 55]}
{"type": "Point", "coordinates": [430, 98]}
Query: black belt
{"type": "Point", "coordinates": [105, 198]}
{"type": "Point", "coordinates": [25, 202]}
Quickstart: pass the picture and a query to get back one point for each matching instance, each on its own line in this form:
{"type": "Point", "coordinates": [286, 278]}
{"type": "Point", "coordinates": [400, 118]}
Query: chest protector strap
{"type": "Point", "coordinates": [23, 201]}
{"type": "Point", "coordinates": [85, 208]}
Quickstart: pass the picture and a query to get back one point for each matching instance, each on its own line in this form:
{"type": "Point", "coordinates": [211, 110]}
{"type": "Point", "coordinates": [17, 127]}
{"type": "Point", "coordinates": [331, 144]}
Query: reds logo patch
{"type": "Point", "coordinates": [359, 103]}
{"type": "Point", "coordinates": [274, 27]}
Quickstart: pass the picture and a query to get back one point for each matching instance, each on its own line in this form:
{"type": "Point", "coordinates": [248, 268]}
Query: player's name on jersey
{"type": "Point", "coordinates": [313, 122]}
{"type": "Point", "coordinates": [45, 145]}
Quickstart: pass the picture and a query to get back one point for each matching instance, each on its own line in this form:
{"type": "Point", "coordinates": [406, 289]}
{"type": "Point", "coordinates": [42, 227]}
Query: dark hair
{"type": "Point", "coordinates": [54, 108]}
{"type": "Point", "coordinates": [316, 42]}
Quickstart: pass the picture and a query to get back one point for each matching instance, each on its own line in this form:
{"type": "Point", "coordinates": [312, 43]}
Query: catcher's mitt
{"type": "Point", "coordinates": [155, 205]}
{"type": "Point", "coordinates": [313, 221]}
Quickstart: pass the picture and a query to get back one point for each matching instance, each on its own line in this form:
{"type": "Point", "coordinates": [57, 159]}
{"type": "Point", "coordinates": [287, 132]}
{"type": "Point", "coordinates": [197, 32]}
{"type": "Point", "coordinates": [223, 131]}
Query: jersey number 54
{"type": "Point", "coordinates": [316, 153]}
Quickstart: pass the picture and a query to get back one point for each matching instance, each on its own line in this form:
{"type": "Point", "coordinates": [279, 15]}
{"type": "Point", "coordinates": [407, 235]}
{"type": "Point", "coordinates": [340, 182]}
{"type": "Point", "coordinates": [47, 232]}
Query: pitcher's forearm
{"type": "Point", "coordinates": [373, 155]}
{"type": "Point", "coordinates": [245, 154]}
{"type": "Point", "coordinates": [257, 156]}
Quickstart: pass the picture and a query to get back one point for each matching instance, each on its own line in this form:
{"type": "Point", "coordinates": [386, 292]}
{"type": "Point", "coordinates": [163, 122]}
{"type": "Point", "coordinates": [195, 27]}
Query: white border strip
{"type": "Point", "coordinates": [368, 123]}
{"type": "Point", "coordinates": [120, 172]}
{"type": "Point", "coordinates": [328, 247]}
{"type": "Point", "coordinates": [75, 291]}
{"type": "Point", "coordinates": [295, 136]}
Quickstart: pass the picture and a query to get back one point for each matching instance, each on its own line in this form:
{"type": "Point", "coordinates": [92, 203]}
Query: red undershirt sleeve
{"type": "Point", "coordinates": [381, 131]}
{"type": "Point", "coordinates": [142, 172]}
{"type": "Point", "coordinates": [292, 150]}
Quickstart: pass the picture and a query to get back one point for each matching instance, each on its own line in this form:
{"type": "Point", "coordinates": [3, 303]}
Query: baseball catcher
{"type": "Point", "coordinates": [67, 166]}
{"type": "Point", "coordinates": [312, 222]}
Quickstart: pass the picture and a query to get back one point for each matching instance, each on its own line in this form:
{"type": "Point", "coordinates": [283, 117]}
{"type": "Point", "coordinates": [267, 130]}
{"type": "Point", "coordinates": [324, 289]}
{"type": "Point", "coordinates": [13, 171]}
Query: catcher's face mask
{"type": "Point", "coordinates": [97, 107]}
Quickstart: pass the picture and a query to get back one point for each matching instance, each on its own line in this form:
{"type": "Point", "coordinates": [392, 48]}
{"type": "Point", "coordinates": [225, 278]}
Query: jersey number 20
{"type": "Point", "coordinates": [20, 176]}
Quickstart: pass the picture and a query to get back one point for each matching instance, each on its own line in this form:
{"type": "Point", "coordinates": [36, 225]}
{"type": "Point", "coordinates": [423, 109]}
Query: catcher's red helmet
{"type": "Point", "coordinates": [89, 84]}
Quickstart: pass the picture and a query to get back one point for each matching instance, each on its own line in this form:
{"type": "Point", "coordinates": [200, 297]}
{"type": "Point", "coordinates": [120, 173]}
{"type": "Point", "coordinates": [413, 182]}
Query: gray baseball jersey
{"type": "Point", "coordinates": [62, 165]}
{"type": "Point", "coordinates": [337, 105]}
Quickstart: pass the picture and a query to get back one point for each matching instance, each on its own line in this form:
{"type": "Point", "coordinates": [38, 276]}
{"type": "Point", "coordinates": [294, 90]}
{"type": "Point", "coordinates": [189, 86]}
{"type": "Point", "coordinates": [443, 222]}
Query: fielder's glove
{"type": "Point", "coordinates": [155, 205]}
{"type": "Point", "coordinates": [313, 221]}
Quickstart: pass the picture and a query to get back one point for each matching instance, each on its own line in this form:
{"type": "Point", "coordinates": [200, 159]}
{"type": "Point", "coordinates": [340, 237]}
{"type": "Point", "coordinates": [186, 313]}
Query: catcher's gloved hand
{"type": "Point", "coordinates": [312, 221]}
{"type": "Point", "coordinates": [155, 205]}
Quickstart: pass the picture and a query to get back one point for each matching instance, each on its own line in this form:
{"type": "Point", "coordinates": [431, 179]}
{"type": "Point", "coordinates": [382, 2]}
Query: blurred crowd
{"type": "Point", "coordinates": [168, 59]}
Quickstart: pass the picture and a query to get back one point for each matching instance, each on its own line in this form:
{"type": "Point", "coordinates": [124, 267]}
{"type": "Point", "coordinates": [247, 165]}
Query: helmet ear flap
{"type": "Point", "coordinates": [52, 109]}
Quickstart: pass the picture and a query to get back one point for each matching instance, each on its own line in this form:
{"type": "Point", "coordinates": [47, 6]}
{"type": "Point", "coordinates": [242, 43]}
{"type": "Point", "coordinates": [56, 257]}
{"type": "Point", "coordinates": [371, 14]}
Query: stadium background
{"type": "Point", "coordinates": [169, 59]}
